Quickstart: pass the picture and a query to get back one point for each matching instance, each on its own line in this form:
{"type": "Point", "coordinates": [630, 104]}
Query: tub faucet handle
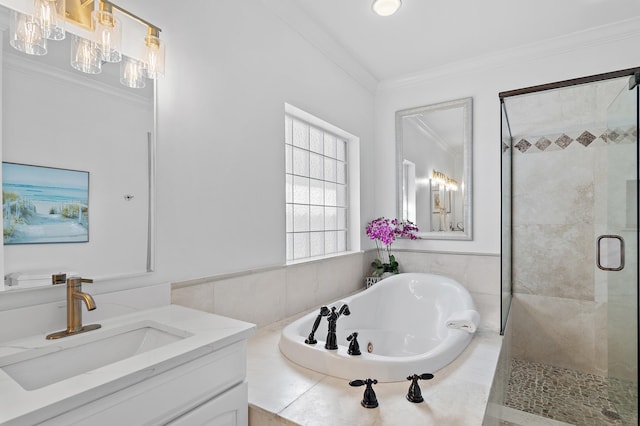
{"type": "Point", "coordinates": [415, 394]}
{"type": "Point", "coordinates": [311, 340]}
{"type": "Point", "coordinates": [344, 310]}
{"type": "Point", "coordinates": [369, 399]}
{"type": "Point", "coordinates": [354, 346]}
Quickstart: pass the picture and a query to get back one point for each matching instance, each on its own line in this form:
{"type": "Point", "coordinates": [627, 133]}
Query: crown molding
{"type": "Point", "coordinates": [596, 36]}
{"type": "Point", "coordinates": [424, 128]}
{"type": "Point", "coordinates": [317, 36]}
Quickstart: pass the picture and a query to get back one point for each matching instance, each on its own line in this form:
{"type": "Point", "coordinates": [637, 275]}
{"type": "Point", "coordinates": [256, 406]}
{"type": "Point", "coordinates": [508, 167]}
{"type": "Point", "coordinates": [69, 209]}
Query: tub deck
{"type": "Point", "coordinates": [284, 393]}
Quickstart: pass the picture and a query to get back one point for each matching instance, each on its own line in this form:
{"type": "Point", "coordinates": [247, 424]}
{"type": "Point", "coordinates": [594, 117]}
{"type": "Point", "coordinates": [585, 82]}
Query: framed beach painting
{"type": "Point", "coordinates": [44, 204]}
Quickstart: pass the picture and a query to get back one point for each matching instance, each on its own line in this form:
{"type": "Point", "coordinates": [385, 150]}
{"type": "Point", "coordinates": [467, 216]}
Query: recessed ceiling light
{"type": "Point", "coordinates": [386, 7]}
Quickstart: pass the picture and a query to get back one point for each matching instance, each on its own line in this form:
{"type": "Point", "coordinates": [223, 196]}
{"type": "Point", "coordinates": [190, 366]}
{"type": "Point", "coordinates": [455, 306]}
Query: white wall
{"type": "Point", "coordinates": [591, 52]}
{"type": "Point", "coordinates": [231, 66]}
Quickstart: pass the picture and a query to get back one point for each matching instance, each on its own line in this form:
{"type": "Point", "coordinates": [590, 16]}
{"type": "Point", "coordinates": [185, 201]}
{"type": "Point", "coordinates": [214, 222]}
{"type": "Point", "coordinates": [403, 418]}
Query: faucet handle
{"type": "Point", "coordinates": [369, 400]}
{"type": "Point", "coordinates": [415, 393]}
{"type": "Point", "coordinates": [354, 346]}
{"type": "Point", "coordinates": [78, 280]}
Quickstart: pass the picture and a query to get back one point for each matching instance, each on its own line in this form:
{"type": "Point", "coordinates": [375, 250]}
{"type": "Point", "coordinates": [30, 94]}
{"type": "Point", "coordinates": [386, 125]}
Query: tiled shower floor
{"type": "Point", "coordinates": [567, 395]}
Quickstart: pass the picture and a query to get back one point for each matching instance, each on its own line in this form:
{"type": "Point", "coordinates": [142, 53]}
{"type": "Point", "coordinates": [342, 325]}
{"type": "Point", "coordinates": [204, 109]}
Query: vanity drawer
{"type": "Point", "coordinates": [166, 396]}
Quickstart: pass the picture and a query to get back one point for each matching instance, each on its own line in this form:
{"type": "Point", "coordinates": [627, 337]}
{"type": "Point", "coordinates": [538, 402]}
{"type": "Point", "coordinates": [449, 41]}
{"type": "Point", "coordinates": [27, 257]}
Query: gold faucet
{"type": "Point", "coordinates": [74, 306]}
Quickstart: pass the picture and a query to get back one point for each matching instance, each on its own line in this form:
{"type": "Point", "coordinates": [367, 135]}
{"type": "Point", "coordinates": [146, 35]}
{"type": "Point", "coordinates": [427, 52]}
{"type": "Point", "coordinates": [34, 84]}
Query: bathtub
{"type": "Point", "coordinates": [407, 324]}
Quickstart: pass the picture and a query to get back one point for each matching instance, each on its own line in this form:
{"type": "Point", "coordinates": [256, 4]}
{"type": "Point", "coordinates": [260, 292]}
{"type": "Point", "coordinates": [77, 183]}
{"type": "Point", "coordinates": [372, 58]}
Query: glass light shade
{"type": "Point", "coordinates": [155, 57]}
{"type": "Point", "coordinates": [51, 13]}
{"type": "Point", "coordinates": [132, 73]}
{"type": "Point", "coordinates": [25, 34]}
{"type": "Point", "coordinates": [108, 35]}
{"type": "Point", "coordinates": [85, 55]}
{"type": "Point", "coordinates": [386, 7]}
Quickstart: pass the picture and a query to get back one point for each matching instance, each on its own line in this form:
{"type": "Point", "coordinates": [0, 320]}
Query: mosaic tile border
{"type": "Point", "coordinates": [561, 141]}
{"type": "Point", "coordinates": [565, 395]}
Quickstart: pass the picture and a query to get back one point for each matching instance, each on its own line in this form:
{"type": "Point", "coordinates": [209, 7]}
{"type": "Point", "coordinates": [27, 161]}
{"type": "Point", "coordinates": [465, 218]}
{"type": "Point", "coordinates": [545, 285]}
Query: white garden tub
{"type": "Point", "coordinates": [407, 324]}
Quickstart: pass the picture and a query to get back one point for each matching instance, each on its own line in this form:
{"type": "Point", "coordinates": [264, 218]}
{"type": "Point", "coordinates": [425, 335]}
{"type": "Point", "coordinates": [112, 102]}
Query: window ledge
{"type": "Point", "coordinates": [321, 258]}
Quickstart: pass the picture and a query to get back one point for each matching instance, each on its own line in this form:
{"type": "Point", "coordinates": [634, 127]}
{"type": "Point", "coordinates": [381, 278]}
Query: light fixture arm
{"type": "Point", "coordinates": [151, 28]}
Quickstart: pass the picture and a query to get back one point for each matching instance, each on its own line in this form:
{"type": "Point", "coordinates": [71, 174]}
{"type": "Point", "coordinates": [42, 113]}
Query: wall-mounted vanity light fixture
{"type": "Point", "coordinates": [439, 178]}
{"type": "Point", "coordinates": [29, 33]}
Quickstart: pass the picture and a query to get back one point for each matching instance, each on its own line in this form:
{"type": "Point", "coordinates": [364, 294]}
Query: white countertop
{"type": "Point", "coordinates": [209, 333]}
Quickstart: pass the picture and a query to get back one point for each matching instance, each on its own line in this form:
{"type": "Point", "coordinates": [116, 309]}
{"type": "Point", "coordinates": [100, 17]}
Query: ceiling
{"type": "Point", "coordinates": [425, 34]}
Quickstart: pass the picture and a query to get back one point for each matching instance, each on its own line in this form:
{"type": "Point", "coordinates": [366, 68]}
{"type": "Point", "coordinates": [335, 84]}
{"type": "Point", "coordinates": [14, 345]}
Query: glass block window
{"type": "Point", "coordinates": [316, 190]}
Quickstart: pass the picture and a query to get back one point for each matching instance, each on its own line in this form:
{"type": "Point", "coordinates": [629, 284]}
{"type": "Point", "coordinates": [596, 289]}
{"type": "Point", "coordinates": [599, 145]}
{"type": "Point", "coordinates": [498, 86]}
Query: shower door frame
{"type": "Point", "coordinates": [571, 82]}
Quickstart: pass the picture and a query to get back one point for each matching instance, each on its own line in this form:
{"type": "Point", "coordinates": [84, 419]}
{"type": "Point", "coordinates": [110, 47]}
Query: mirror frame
{"type": "Point", "coordinates": [467, 111]}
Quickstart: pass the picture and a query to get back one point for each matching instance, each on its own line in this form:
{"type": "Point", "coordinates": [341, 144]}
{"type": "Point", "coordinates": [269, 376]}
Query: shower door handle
{"type": "Point", "coordinates": [610, 252]}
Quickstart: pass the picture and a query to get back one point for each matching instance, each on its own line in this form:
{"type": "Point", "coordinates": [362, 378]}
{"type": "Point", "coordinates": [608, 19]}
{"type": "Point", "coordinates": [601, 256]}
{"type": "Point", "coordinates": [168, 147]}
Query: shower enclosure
{"type": "Point", "coordinates": [570, 246]}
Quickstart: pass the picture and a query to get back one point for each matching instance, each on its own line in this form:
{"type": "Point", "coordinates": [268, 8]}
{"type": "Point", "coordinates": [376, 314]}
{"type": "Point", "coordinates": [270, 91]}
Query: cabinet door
{"type": "Point", "coordinates": [165, 396]}
{"type": "Point", "coordinates": [228, 409]}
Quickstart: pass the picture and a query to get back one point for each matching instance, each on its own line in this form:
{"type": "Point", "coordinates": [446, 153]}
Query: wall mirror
{"type": "Point", "coordinates": [54, 116]}
{"type": "Point", "coordinates": [433, 169]}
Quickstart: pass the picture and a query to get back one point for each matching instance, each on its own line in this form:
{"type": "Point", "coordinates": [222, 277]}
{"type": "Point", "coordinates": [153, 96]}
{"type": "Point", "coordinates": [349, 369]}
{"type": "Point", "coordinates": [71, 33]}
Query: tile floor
{"type": "Point", "coordinates": [567, 395]}
{"type": "Point", "coordinates": [625, 398]}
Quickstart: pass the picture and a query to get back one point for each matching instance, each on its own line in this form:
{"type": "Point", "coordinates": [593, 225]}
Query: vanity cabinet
{"type": "Point", "coordinates": [211, 389]}
{"type": "Point", "coordinates": [166, 365]}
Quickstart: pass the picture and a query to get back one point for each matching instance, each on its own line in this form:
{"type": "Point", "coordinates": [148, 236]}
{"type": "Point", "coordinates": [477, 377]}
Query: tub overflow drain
{"type": "Point", "coordinates": [369, 347]}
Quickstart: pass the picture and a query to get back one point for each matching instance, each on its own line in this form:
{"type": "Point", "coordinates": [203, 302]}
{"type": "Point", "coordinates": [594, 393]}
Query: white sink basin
{"type": "Point", "coordinates": [73, 355]}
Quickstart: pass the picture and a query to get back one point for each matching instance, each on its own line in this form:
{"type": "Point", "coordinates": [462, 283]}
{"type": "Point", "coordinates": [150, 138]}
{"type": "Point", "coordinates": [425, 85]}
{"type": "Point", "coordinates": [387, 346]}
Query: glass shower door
{"type": "Point", "coordinates": [617, 249]}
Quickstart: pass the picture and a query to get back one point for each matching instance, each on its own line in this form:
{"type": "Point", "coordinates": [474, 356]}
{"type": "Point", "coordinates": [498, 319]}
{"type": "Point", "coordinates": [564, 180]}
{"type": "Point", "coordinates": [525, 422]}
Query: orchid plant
{"type": "Point", "coordinates": [384, 232]}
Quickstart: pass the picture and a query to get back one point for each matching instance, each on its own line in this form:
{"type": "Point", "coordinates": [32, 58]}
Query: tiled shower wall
{"type": "Point", "coordinates": [559, 207]}
{"type": "Point", "coordinates": [268, 295]}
